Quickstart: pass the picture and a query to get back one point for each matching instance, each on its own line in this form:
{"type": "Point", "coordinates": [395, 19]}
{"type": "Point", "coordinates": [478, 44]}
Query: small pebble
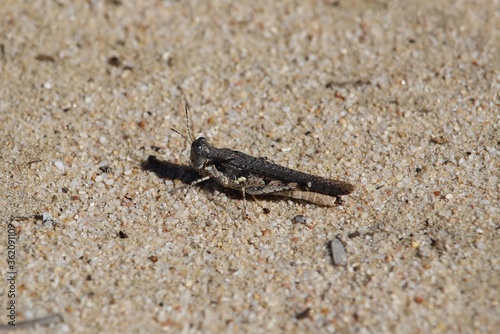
{"type": "Point", "coordinates": [47, 218]}
{"type": "Point", "coordinates": [304, 314]}
{"type": "Point", "coordinates": [59, 164]}
{"type": "Point", "coordinates": [299, 219]}
{"type": "Point", "coordinates": [122, 235]}
{"type": "Point", "coordinates": [338, 253]}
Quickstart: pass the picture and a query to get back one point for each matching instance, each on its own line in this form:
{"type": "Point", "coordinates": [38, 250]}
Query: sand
{"type": "Point", "coordinates": [399, 98]}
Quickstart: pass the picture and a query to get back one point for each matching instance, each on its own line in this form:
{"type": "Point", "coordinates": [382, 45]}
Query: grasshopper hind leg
{"type": "Point", "coordinates": [244, 213]}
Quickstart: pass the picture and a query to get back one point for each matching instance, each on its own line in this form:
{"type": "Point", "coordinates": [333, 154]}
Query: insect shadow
{"type": "Point", "coordinates": [184, 173]}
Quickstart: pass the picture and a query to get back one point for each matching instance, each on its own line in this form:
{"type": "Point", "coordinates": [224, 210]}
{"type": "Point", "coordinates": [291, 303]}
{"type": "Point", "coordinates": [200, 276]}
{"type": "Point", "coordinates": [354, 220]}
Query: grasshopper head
{"type": "Point", "coordinates": [200, 151]}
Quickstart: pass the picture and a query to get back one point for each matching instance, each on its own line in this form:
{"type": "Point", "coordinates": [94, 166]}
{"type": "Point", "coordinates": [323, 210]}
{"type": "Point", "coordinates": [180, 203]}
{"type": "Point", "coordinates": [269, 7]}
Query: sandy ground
{"type": "Point", "coordinates": [399, 98]}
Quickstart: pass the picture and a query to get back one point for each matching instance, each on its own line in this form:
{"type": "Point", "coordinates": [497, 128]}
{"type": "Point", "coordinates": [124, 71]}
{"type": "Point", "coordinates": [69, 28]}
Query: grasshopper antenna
{"type": "Point", "coordinates": [188, 123]}
{"type": "Point", "coordinates": [185, 138]}
{"type": "Point", "coordinates": [190, 138]}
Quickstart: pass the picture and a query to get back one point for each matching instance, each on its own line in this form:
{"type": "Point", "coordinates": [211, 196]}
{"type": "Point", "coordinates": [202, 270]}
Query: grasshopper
{"type": "Point", "coordinates": [259, 176]}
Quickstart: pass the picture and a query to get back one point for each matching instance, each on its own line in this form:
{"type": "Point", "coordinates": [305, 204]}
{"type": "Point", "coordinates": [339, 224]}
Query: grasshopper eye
{"type": "Point", "coordinates": [201, 147]}
{"type": "Point", "coordinates": [196, 146]}
{"type": "Point", "coordinates": [200, 151]}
